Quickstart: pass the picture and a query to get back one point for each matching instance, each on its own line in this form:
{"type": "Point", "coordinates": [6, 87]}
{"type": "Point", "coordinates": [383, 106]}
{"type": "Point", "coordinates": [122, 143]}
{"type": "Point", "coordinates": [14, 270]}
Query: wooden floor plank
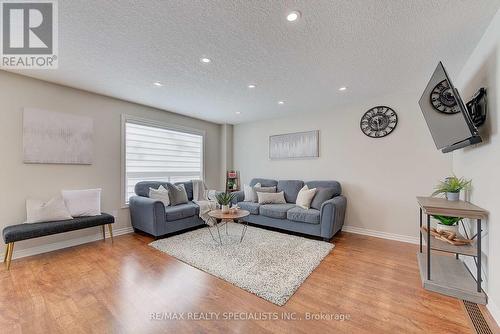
{"type": "Point", "coordinates": [108, 288]}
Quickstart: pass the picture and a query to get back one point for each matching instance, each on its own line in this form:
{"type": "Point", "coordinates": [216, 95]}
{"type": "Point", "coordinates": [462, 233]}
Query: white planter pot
{"type": "Point", "coordinates": [225, 208]}
{"type": "Point", "coordinates": [442, 227]}
{"type": "Point", "coordinates": [453, 196]}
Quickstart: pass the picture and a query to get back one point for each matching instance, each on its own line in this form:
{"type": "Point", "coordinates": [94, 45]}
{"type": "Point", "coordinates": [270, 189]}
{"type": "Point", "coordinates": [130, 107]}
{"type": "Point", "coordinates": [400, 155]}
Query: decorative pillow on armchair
{"type": "Point", "coordinates": [160, 194]}
{"type": "Point", "coordinates": [177, 194]}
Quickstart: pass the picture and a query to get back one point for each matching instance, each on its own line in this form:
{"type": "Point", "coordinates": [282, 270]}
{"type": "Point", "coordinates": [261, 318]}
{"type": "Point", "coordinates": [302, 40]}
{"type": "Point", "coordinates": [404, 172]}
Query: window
{"type": "Point", "coordinates": [155, 152]}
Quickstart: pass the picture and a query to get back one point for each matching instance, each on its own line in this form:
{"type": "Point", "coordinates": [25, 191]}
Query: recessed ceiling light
{"type": "Point", "coordinates": [205, 60]}
{"type": "Point", "coordinates": [293, 16]}
{"type": "Point", "coordinates": [252, 86]}
{"type": "Point", "coordinates": [158, 84]}
{"type": "Point", "coordinates": [238, 112]}
{"type": "Point", "coordinates": [343, 88]}
{"type": "Point", "coordinates": [281, 102]}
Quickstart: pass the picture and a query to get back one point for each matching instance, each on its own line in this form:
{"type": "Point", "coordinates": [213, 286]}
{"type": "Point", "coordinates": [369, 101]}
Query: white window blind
{"type": "Point", "coordinates": [159, 154]}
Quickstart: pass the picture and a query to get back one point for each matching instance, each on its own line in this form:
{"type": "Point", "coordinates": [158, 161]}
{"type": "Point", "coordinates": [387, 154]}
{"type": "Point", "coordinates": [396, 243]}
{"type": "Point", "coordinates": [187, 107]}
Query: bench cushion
{"type": "Point", "coordinates": [20, 232]}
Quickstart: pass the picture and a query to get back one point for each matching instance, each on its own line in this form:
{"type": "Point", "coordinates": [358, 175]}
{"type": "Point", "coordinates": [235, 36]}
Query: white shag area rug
{"type": "Point", "coordinates": [270, 264]}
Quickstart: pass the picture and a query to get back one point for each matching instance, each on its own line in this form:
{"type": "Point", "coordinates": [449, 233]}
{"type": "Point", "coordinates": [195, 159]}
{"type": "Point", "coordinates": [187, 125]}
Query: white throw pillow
{"type": "Point", "coordinates": [83, 203]}
{"type": "Point", "coordinates": [271, 198]}
{"type": "Point", "coordinates": [40, 211]}
{"type": "Point", "coordinates": [250, 195]}
{"type": "Point", "coordinates": [305, 197]}
{"type": "Point", "coordinates": [160, 194]}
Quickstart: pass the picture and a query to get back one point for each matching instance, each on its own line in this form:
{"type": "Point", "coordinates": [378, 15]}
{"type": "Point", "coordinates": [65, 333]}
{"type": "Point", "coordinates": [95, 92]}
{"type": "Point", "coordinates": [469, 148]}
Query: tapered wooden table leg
{"type": "Point", "coordinates": [10, 250]}
{"type": "Point", "coordinates": [6, 253]}
{"type": "Point", "coordinates": [110, 228]}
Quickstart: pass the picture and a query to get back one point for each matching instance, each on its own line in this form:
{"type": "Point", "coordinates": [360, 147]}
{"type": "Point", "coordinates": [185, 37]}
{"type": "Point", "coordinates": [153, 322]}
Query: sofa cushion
{"type": "Point", "coordinates": [264, 182]}
{"type": "Point", "coordinates": [275, 210]}
{"type": "Point", "coordinates": [298, 214]}
{"type": "Point", "coordinates": [322, 195]}
{"type": "Point", "coordinates": [251, 207]}
{"type": "Point", "coordinates": [291, 189]}
{"type": "Point", "coordinates": [326, 184]}
{"type": "Point", "coordinates": [181, 211]}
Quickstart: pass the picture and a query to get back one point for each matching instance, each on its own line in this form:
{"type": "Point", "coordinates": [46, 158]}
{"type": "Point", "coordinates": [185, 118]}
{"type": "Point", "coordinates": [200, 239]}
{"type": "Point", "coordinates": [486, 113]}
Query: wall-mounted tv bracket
{"type": "Point", "coordinates": [478, 107]}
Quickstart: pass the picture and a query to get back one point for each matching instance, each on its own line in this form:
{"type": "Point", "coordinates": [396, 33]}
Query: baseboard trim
{"type": "Point", "coordinates": [65, 243]}
{"type": "Point", "coordinates": [494, 310]}
{"type": "Point", "coordinates": [379, 234]}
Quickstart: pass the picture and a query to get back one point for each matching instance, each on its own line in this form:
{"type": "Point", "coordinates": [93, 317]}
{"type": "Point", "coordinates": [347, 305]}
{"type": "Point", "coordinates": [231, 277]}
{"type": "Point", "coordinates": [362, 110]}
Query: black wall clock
{"type": "Point", "coordinates": [442, 99]}
{"type": "Point", "coordinates": [378, 122]}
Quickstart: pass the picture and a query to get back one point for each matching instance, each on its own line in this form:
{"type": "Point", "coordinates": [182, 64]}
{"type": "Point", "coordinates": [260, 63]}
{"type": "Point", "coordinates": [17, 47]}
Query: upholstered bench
{"type": "Point", "coordinates": [14, 233]}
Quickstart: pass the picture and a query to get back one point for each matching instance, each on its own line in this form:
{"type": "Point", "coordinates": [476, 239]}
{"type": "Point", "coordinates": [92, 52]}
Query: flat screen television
{"type": "Point", "coordinates": [446, 115]}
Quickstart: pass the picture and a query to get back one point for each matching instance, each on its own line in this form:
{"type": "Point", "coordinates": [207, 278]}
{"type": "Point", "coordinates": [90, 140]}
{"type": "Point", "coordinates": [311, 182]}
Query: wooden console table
{"type": "Point", "coordinates": [447, 274]}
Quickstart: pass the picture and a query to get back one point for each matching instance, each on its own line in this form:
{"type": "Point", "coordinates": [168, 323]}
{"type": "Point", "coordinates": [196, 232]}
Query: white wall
{"type": "Point", "coordinates": [482, 163]}
{"type": "Point", "coordinates": [380, 177]}
{"type": "Point", "coordinates": [226, 149]}
{"type": "Point", "coordinates": [20, 180]}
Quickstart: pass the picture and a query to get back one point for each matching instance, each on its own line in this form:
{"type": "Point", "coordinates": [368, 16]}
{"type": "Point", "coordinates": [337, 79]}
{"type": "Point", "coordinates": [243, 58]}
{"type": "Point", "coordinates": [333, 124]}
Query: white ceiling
{"type": "Point", "coordinates": [375, 47]}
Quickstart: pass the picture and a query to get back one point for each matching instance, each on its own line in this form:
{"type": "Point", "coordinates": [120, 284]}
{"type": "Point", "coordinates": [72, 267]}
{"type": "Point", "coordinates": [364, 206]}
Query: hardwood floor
{"type": "Point", "coordinates": [102, 287]}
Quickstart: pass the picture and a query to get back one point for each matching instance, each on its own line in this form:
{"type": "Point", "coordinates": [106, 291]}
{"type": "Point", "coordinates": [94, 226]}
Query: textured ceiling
{"type": "Point", "coordinates": [375, 47]}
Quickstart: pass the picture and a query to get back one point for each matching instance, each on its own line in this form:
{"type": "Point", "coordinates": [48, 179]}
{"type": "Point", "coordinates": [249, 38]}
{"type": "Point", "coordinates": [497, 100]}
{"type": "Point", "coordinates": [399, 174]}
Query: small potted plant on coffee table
{"type": "Point", "coordinates": [225, 199]}
{"type": "Point", "coordinates": [451, 187]}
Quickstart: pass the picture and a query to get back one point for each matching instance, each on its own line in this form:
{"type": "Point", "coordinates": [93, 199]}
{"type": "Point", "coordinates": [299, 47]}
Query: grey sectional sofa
{"type": "Point", "coordinates": [324, 223]}
{"type": "Point", "coordinates": [151, 216]}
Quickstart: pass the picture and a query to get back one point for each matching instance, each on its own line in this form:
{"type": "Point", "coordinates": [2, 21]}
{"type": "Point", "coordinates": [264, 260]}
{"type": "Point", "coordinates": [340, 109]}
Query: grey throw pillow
{"type": "Point", "coordinates": [271, 198]}
{"type": "Point", "coordinates": [262, 190]}
{"type": "Point", "coordinates": [177, 194]}
{"type": "Point", "coordinates": [322, 195]}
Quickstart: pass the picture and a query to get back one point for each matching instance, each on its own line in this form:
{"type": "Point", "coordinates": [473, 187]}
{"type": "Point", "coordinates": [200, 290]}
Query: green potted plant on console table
{"type": "Point", "coordinates": [451, 187]}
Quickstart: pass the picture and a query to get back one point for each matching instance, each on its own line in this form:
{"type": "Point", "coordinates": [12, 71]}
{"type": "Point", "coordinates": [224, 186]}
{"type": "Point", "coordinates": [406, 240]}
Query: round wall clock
{"type": "Point", "coordinates": [442, 99]}
{"type": "Point", "coordinates": [378, 122]}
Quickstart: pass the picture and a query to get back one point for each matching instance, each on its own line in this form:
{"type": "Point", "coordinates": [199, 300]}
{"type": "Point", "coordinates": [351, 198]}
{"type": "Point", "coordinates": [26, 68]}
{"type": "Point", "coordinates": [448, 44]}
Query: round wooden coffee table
{"type": "Point", "coordinates": [222, 219]}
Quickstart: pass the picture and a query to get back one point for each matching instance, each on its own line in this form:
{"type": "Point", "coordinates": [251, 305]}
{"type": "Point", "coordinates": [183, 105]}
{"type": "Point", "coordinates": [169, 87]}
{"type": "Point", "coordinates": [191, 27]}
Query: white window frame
{"type": "Point", "coordinates": [157, 124]}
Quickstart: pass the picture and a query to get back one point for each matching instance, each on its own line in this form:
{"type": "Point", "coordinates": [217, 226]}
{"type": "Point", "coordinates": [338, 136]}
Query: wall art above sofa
{"type": "Point", "coordinates": [297, 145]}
